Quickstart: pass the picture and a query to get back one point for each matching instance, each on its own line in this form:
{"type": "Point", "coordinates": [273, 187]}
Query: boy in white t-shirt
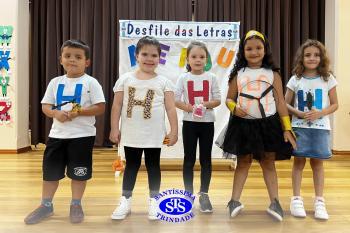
{"type": "Point", "coordinates": [72, 100]}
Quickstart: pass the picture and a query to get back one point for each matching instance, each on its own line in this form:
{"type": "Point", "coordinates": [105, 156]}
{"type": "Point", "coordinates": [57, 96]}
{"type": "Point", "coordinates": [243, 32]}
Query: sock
{"type": "Point", "coordinates": [75, 202]}
{"type": "Point", "coordinates": [47, 202]}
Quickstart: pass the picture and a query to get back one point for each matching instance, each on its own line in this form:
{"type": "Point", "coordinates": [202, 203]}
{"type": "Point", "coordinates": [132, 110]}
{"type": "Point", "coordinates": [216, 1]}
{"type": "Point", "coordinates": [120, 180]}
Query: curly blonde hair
{"type": "Point", "coordinates": [323, 68]}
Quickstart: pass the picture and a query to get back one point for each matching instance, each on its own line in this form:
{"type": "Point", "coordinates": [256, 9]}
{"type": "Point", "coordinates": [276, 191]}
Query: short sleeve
{"type": "Point", "coordinates": [215, 88]}
{"type": "Point", "coordinates": [179, 88]}
{"type": "Point", "coordinates": [96, 93]}
{"type": "Point", "coordinates": [291, 83]}
{"type": "Point", "coordinates": [49, 97]}
{"type": "Point", "coordinates": [332, 82]}
{"type": "Point", "coordinates": [119, 84]}
{"type": "Point", "coordinates": [169, 86]}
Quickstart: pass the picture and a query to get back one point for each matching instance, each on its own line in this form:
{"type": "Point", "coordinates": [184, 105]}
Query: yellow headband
{"type": "Point", "coordinates": [254, 33]}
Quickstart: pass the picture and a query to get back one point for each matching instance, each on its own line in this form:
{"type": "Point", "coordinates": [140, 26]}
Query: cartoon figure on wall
{"type": "Point", "coordinates": [5, 35]}
{"type": "Point", "coordinates": [5, 102]}
{"type": "Point", "coordinates": [4, 82]}
{"type": "Point", "coordinates": [5, 105]}
{"type": "Point", "coordinates": [4, 57]}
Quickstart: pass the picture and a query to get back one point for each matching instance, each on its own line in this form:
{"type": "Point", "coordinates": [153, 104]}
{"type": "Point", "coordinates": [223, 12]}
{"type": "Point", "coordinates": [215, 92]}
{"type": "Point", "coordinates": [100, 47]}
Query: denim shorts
{"type": "Point", "coordinates": [313, 143]}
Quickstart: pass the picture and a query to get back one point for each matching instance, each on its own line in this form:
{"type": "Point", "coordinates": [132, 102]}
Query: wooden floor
{"type": "Point", "coordinates": [20, 190]}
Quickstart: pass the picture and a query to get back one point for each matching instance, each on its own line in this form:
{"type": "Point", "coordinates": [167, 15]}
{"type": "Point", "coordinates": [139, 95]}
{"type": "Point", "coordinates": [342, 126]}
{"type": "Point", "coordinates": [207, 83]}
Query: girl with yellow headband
{"type": "Point", "coordinates": [259, 126]}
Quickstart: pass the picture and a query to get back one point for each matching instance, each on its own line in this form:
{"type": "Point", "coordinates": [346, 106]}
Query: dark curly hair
{"type": "Point", "coordinates": [323, 68]}
{"type": "Point", "coordinates": [241, 61]}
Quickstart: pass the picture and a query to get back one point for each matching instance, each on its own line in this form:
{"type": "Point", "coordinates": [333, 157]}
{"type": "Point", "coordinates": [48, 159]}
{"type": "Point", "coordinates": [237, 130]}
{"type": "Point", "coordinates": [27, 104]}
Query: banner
{"type": "Point", "coordinates": [221, 39]}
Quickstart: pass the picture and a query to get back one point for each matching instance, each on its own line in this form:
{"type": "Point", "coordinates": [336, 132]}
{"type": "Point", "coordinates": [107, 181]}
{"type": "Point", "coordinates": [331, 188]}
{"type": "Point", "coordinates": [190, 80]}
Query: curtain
{"type": "Point", "coordinates": [286, 23]}
{"type": "Point", "coordinates": [96, 23]}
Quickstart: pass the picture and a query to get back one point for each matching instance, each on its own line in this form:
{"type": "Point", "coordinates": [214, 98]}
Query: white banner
{"type": "Point", "coordinates": [173, 59]}
{"type": "Point", "coordinates": [177, 30]}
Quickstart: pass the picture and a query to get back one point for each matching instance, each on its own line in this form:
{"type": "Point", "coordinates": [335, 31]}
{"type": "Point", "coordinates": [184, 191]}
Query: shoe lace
{"type": "Point", "coordinates": [123, 204]}
{"type": "Point", "coordinates": [320, 205]}
{"type": "Point", "coordinates": [152, 202]}
{"type": "Point", "coordinates": [39, 210]}
{"type": "Point", "coordinates": [233, 203]}
{"type": "Point", "coordinates": [275, 206]}
{"type": "Point", "coordinates": [298, 204]}
{"type": "Point", "coordinates": [205, 197]}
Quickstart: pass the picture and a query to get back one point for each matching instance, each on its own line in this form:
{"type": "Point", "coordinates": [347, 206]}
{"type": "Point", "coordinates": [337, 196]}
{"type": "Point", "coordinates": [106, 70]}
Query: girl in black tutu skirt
{"type": "Point", "coordinates": [259, 127]}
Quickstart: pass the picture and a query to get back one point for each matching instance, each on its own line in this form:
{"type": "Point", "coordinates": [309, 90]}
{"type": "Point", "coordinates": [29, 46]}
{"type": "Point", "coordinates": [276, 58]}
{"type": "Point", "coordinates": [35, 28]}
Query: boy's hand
{"type": "Point", "coordinates": [72, 115]}
{"type": "Point", "coordinates": [114, 136]}
{"type": "Point", "coordinates": [288, 137]}
{"type": "Point", "coordinates": [61, 116]}
{"type": "Point", "coordinates": [170, 139]}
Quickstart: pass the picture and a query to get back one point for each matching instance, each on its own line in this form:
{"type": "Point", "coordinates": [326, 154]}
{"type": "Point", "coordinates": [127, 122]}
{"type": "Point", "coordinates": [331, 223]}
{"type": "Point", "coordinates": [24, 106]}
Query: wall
{"type": "Point", "coordinates": [337, 43]}
{"type": "Point", "coordinates": [14, 133]}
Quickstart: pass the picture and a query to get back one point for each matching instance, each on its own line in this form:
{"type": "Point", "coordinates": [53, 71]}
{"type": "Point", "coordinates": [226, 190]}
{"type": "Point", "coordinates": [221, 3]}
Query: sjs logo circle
{"type": "Point", "coordinates": [175, 205]}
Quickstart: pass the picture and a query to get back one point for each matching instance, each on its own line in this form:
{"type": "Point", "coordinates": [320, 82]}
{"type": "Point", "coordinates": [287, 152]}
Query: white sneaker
{"type": "Point", "coordinates": [320, 209]}
{"type": "Point", "coordinates": [123, 209]}
{"type": "Point", "coordinates": [152, 209]}
{"type": "Point", "coordinates": [297, 207]}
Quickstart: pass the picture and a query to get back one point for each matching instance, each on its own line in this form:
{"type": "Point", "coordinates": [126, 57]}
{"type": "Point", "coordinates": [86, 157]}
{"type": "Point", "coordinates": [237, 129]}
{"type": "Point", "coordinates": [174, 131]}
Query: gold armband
{"type": "Point", "coordinates": [231, 105]}
{"type": "Point", "coordinates": [286, 123]}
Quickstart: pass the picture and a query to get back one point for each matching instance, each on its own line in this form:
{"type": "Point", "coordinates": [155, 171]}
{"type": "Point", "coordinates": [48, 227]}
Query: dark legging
{"type": "Point", "coordinates": [191, 133]}
{"type": "Point", "coordinates": [133, 158]}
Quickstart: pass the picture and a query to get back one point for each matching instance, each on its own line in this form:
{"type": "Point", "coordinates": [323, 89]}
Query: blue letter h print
{"type": "Point", "coordinates": [76, 97]}
{"type": "Point", "coordinates": [316, 100]}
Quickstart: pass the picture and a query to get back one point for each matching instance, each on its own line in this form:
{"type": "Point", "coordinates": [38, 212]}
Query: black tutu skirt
{"type": "Point", "coordinates": [256, 137]}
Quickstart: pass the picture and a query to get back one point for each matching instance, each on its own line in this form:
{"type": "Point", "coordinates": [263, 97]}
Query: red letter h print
{"type": "Point", "coordinates": [192, 93]}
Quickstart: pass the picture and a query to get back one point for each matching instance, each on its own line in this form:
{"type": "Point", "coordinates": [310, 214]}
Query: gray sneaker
{"type": "Point", "coordinates": [76, 214]}
{"type": "Point", "coordinates": [234, 208]}
{"type": "Point", "coordinates": [275, 210]}
{"type": "Point", "coordinates": [204, 202]}
{"type": "Point", "coordinates": [39, 214]}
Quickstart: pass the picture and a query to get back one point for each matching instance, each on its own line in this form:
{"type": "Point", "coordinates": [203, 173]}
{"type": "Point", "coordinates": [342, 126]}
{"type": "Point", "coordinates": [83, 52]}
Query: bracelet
{"type": "Point", "coordinates": [76, 108]}
{"type": "Point", "coordinates": [286, 123]}
{"type": "Point", "coordinates": [231, 105]}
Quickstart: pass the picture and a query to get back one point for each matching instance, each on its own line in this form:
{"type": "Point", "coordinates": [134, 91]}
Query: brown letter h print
{"type": "Point", "coordinates": [146, 103]}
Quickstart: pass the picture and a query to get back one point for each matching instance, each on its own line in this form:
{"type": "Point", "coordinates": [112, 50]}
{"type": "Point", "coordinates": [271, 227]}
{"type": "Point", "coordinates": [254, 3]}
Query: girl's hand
{"type": "Point", "coordinates": [288, 137]}
{"type": "Point", "coordinates": [61, 116]}
{"type": "Point", "coordinates": [172, 139]}
{"type": "Point", "coordinates": [301, 114]}
{"type": "Point", "coordinates": [189, 108]}
{"type": "Point", "coordinates": [313, 115]}
{"type": "Point", "coordinates": [239, 112]}
{"type": "Point", "coordinates": [114, 136]}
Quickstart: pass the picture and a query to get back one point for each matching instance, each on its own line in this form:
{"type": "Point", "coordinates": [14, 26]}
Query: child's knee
{"type": "Point", "coordinates": [316, 164]}
{"type": "Point", "coordinates": [267, 164]}
{"type": "Point", "coordinates": [299, 163]}
{"type": "Point", "coordinates": [244, 163]}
